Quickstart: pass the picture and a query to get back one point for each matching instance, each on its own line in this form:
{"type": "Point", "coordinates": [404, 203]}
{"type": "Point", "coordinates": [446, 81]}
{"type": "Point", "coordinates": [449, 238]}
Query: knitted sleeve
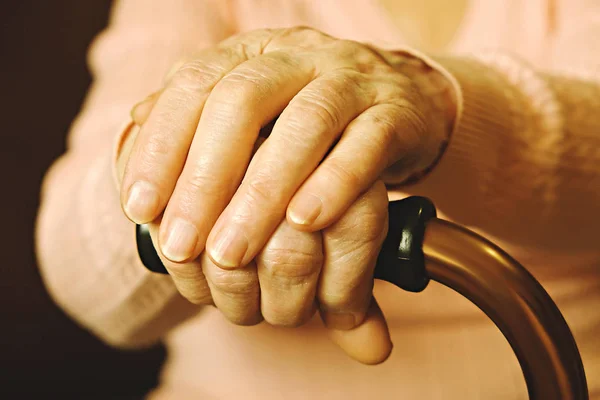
{"type": "Point", "coordinates": [523, 162]}
{"type": "Point", "coordinates": [85, 245]}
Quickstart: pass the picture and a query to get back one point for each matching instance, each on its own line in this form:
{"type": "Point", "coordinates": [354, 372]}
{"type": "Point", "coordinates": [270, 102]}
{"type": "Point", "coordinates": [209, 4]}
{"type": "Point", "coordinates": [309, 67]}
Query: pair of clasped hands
{"type": "Point", "coordinates": [277, 228]}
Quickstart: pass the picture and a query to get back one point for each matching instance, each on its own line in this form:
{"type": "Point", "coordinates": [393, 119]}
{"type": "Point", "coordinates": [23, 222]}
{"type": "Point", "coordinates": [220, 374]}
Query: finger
{"type": "Point", "coordinates": [371, 143]}
{"type": "Point", "coordinates": [288, 271]}
{"type": "Point", "coordinates": [161, 147]}
{"type": "Point", "coordinates": [141, 111]}
{"type": "Point", "coordinates": [351, 247]}
{"type": "Point", "coordinates": [368, 343]}
{"type": "Point", "coordinates": [241, 103]}
{"type": "Point", "coordinates": [188, 278]}
{"type": "Point", "coordinates": [302, 135]}
{"type": "Point", "coordinates": [236, 293]}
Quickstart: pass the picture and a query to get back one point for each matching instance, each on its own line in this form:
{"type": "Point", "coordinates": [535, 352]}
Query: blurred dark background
{"type": "Point", "coordinates": [44, 78]}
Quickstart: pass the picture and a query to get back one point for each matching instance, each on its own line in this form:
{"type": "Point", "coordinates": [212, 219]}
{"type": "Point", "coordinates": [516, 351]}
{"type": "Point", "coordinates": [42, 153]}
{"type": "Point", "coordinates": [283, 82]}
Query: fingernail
{"type": "Point", "coordinates": [230, 247]}
{"type": "Point", "coordinates": [142, 202]}
{"type": "Point", "coordinates": [306, 209]}
{"type": "Point", "coordinates": [181, 241]}
{"type": "Point", "coordinates": [341, 321]}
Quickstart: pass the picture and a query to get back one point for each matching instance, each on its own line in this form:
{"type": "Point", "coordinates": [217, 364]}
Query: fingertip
{"type": "Point", "coordinates": [141, 202]}
{"type": "Point", "coordinates": [305, 209]}
{"type": "Point", "coordinates": [179, 240]}
{"type": "Point", "coordinates": [228, 248]}
{"type": "Point", "coordinates": [307, 214]}
{"type": "Point", "coordinates": [370, 342]}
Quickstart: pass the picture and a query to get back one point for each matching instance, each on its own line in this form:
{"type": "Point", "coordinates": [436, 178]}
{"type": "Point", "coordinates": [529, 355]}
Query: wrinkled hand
{"type": "Point", "coordinates": [347, 116]}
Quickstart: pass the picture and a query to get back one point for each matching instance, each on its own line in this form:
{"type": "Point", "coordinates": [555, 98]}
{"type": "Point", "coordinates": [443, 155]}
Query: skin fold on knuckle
{"type": "Point", "coordinates": [239, 90]}
{"type": "Point", "coordinates": [260, 75]}
{"type": "Point", "coordinates": [288, 283]}
{"type": "Point", "coordinates": [236, 283]}
{"type": "Point", "coordinates": [366, 228]}
{"type": "Point", "coordinates": [410, 109]}
{"type": "Point", "coordinates": [200, 183]}
{"type": "Point", "coordinates": [286, 315]}
{"type": "Point", "coordinates": [202, 74]}
{"type": "Point", "coordinates": [155, 149]}
{"type": "Point", "coordinates": [351, 270]}
{"type": "Point", "coordinates": [317, 110]}
{"type": "Point", "coordinates": [197, 296]}
{"type": "Point", "coordinates": [193, 287]}
{"type": "Point", "coordinates": [343, 176]}
{"type": "Point", "coordinates": [287, 267]}
{"type": "Point", "coordinates": [243, 317]}
{"type": "Point", "coordinates": [349, 300]}
{"type": "Point", "coordinates": [236, 295]}
{"type": "Point", "coordinates": [259, 192]}
{"type": "Point", "coordinates": [384, 121]}
{"type": "Point", "coordinates": [290, 253]}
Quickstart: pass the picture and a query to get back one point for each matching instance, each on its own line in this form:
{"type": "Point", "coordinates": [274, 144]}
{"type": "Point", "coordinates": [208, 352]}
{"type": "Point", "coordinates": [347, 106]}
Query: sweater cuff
{"type": "Point", "coordinates": [506, 115]}
{"type": "Point", "coordinates": [487, 114]}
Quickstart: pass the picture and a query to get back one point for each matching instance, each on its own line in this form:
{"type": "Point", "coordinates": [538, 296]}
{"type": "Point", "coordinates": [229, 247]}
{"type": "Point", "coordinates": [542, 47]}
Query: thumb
{"type": "Point", "coordinates": [141, 111]}
{"type": "Point", "coordinates": [368, 343]}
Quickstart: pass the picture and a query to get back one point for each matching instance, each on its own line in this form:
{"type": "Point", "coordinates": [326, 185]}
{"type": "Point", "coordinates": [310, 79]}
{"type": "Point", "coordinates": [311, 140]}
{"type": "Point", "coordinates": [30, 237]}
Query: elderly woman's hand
{"type": "Point", "coordinates": [349, 115]}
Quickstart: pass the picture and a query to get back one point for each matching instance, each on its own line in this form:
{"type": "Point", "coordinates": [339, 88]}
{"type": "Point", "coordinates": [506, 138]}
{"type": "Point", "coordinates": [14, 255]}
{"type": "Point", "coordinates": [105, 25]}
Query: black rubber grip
{"type": "Point", "coordinates": [401, 260]}
{"type": "Point", "coordinates": [146, 250]}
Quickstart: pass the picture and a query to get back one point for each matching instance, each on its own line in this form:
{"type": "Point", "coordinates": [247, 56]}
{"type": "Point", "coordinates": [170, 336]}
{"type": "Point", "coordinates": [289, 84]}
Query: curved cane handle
{"type": "Point", "coordinates": [420, 247]}
{"type": "Point", "coordinates": [515, 301]}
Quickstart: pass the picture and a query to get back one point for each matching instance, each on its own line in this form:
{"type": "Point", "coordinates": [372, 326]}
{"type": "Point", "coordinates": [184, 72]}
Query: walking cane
{"type": "Point", "coordinates": [420, 247]}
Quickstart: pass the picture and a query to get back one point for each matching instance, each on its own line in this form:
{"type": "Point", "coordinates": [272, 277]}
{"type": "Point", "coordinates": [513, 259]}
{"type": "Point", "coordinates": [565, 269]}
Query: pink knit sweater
{"type": "Point", "coordinates": [523, 167]}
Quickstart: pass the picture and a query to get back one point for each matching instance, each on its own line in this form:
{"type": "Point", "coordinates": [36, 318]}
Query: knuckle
{"type": "Point", "coordinates": [241, 282]}
{"type": "Point", "coordinates": [192, 286]}
{"type": "Point", "coordinates": [315, 111]}
{"type": "Point", "coordinates": [242, 318]}
{"type": "Point", "coordinates": [260, 191]}
{"type": "Point", "coordinates": [344, 175]}
{"type": "Point", "coordinates": [289, 264]}
{"type": "Point", "coordinates": [385, 124]}
{"type": "Point", "coordinates": [362, 229]}
{"type": "Point", "coordinates": [337, 300]}
{"type": "Point", "coordinates": [346, 47]}
{"type": "Point", "coordinates": [411, 117]}
{"type": "Point", "coordinates": [349, 292]}
{"type": "Point", "coordinates": [198, 297]}
{"type": "Point", "coordinates": [285, 318]}
{"type": "Point", "coordinates": [184, 275]}
{"type": "Point", "coordinates": [195, 76]}
{"type": "Point", "coordinates": [372, 225]}
{"type": "Point", "coordinates": [388, 137]}
{"type": "Point", "coordinates": [156, 146]}
{"type": "Point", "coordinates": [200, 181]}
{"type": "Point", "coordinates": [240, 86]}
